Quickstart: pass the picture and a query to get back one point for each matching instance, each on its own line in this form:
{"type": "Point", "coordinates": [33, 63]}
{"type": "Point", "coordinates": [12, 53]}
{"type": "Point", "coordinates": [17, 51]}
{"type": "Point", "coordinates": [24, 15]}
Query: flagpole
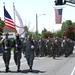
{"type": "Point", "coordinates": [3, 5]}
{"type": "Point", "coordinates": [14, 11]}
{"type": "Point", "coordinates": [4, 8]}
{"type": "Point", "coordinates": [14, 16]}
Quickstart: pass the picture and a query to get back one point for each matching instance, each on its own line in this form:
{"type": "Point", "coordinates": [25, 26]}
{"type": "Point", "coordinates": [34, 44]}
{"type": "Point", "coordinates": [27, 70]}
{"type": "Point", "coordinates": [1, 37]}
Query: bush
{"type": "Point", "coordinates": [70, 32]}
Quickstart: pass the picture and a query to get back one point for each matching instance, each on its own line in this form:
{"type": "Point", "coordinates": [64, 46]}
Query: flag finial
{"type": "Point", "coordinates": [3, 3]}
{"type": "Point", "coordinates": [13, 4]}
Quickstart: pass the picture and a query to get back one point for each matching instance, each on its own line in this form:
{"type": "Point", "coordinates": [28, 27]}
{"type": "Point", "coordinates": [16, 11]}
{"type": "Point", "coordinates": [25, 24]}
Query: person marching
{"type": "Point", "coordinates": [54, 49]}
{"type": "Point", "coordinates": [29, 52]}
{"type": "Point", "coordinates": [17, 44]}
{"type": "Point", "coordinates": [6, 45]}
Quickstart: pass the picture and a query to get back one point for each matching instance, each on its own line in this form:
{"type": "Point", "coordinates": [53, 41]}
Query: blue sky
{"type": "Point", "coordinates": [29, 8]}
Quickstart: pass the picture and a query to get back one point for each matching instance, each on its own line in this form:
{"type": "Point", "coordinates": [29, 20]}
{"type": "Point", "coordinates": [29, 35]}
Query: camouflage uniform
{"type": "Point", "coordinates": [49, 51]}
{"type": "Point", "coordinates": [58, 43]}
{"type": "Point", "coordinates": [36, 44]}
{"type": "Point", "coordinates": [29, 52]}
{"type": "Point", "coordinates": [65, 46]}
{"type": "Point", "coordinates": [54, 49]}
{"type": "Point", "coordinates": [42, 46]}
{"type": "Point", "coordinates": [6, 44]}
{"type": "Point", "coordinates": [17, 44]}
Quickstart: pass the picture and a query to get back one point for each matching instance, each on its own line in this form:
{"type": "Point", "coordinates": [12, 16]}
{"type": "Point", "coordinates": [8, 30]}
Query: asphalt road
{"type": "Point", "coordinates": [43, 66]}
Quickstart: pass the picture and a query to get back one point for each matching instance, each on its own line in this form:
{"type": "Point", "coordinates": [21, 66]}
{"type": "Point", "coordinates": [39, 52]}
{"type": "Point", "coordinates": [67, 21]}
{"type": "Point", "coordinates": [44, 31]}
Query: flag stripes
{"type": "Point", "coordinates": [8, 20]}
{"type": "Point", "coordinates": [58, 16]}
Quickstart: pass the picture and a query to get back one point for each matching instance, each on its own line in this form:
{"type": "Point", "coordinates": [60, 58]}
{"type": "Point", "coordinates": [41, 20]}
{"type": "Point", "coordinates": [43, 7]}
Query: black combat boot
{"type": "Point", "coordinates": [18, 70]}
{"type": "Point", "coordinates": [30, 69]}
{"type": "Point", "coordinates": [7, 69]}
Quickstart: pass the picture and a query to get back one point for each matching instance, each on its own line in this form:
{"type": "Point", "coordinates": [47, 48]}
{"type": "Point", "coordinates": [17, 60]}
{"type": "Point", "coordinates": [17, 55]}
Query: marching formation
{"type": "Point", "coordinates": [54, 47]}
{"type": "Point", "coordinates": [34, 48]}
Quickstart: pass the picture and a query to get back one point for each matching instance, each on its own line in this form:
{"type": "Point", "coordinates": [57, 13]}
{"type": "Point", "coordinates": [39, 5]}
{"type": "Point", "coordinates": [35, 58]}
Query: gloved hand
{"type": "Point", "coordinates": [16, 45]}
{"type": "Point", "coordinates": [6, 47]}
{"type": "Point", "coordinates": [32, 47]}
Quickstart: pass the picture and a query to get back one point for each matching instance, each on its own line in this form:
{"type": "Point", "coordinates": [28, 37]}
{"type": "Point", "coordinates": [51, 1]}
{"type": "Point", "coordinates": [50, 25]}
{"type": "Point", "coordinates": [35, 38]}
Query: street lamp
{"type": "Point", "coordinates": [37, 23]}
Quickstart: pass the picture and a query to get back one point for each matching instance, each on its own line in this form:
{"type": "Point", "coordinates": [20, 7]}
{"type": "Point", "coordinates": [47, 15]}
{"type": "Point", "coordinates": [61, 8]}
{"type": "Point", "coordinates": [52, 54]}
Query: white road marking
{"type": "Point", "coordinates": [15, 65]}
{"type": "Point", "coordinates": [72, 73]}
{"type": "Point", "coordinates": [11, 66]}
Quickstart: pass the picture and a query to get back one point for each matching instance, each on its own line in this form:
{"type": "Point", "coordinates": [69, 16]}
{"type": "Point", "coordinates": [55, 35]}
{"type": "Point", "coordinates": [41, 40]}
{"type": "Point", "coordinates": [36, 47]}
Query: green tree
{"type": "Point", "coordinates": [33, 34]}
{"type": "Point", "coordinates": [1, 23]}
{"type": "Point", "coordinates": [1, 26]}
{"type": "Point", "coordinates": [66, 24]}
{"type": "Point", "coordinates": [58, 33]}
{"type": "Point", "coordinates": [47, 34]}
{"type": "Point", "coordinates": [73, 23]}
{"type": "Point", "coordinates": [44, 30]}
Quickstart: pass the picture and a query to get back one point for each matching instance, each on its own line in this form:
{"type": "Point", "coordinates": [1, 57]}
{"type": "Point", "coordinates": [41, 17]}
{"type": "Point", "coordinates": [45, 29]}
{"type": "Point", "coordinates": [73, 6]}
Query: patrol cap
{"type": "Point", "coordinates": [29, 37]}
{"type": "Point", "coordinates": [16, 34]}
{"type": "Point", "coordinates": [6, 34]}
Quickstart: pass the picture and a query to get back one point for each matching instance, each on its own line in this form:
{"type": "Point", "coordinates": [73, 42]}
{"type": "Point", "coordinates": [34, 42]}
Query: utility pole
{"type": "Point", "coordinates": [37, 23]}
{"type": "Point", "coordinates": [36, 26]}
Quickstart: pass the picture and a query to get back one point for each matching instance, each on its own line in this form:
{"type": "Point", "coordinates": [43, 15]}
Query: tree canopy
{"type": "Point", "coordinates": [1, 23]}
{"type": "Point", "coordinates": [70, 32]}
{"type": "Point", "coordinates": [66, 24]}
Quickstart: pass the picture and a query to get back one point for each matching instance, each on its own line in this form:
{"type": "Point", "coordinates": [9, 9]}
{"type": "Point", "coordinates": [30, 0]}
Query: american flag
{"type": "Point", "coordinates": [8, 20]}
{"type": "Point", "coordinates": [58, 16]}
